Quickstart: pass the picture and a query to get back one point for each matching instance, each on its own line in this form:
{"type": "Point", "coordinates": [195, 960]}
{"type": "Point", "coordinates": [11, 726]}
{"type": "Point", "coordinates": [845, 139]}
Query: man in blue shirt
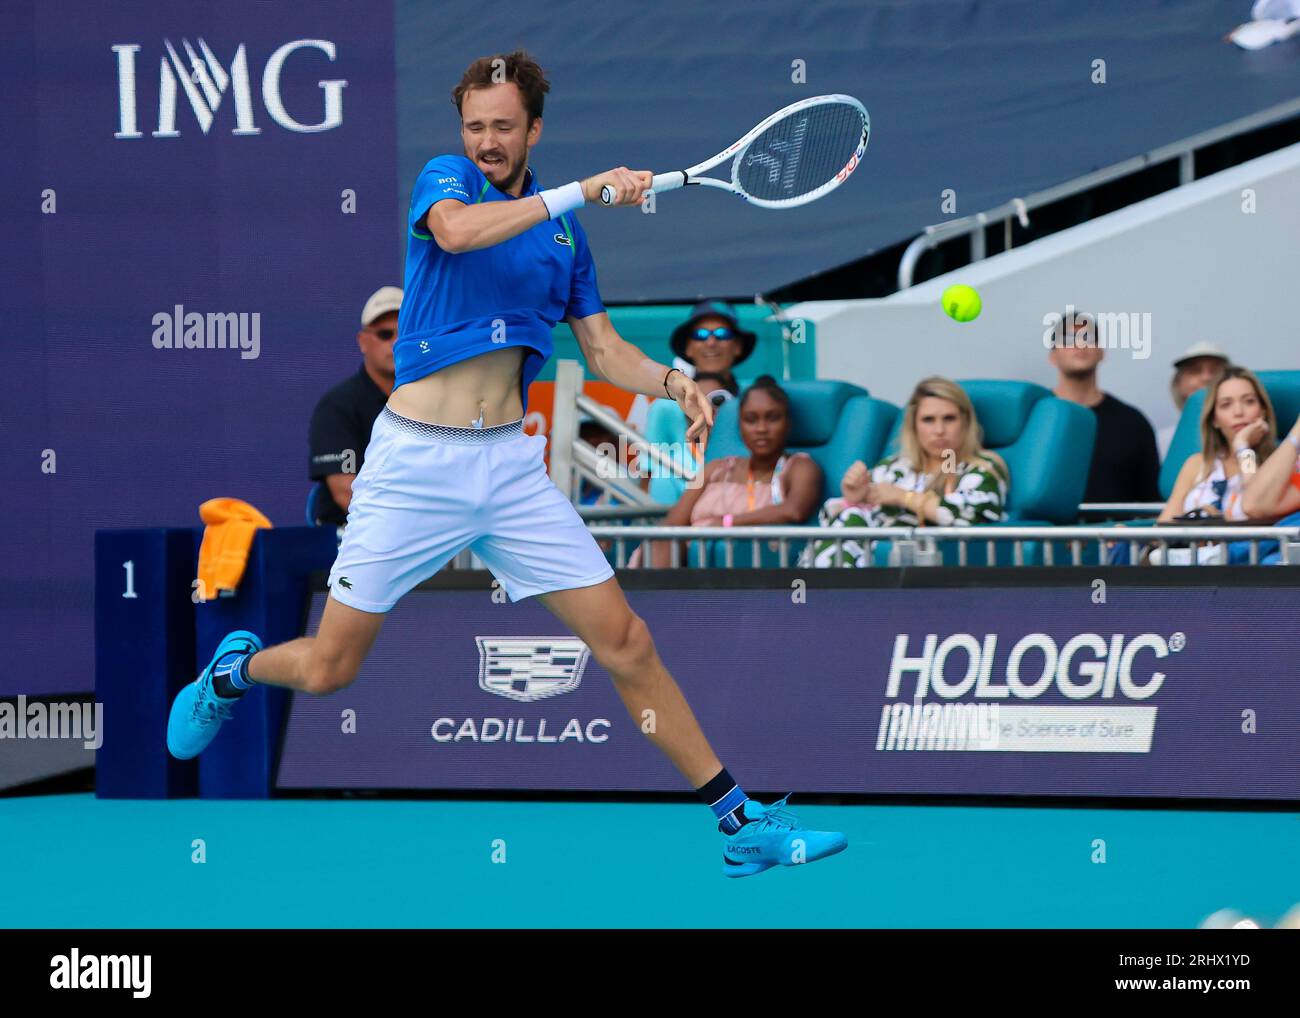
{"type": "Point", "coordinates": [493, 262]}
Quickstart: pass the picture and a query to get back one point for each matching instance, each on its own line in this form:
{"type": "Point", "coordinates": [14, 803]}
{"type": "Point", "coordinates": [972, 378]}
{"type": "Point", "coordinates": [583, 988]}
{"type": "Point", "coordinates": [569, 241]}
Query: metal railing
{"type": "Point", "coordinates": [974, 225]}
{"type": "Point", "coordinates": [1120, 510]}
{"type": "Point", "coordinates": [595, 513]}
{"type": "Point", "coordinates": [923, 545]}
{"type": "Point", "coordinates": [573, 459]}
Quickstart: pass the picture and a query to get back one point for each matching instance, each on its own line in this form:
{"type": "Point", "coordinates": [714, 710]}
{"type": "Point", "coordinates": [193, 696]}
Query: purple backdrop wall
{"type": "Point", "coordinates": [101, 428]}
{"type": "Point", "coordinates": [1157, 692]}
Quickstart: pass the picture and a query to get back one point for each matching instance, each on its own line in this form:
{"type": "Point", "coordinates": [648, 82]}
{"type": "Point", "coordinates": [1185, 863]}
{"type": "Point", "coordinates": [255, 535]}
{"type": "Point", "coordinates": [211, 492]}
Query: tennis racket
{"type": "Point", "coordinates": [797, 155]}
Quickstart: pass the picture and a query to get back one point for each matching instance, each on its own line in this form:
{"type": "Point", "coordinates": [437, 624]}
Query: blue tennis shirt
{"type": "Point", "coordinates": [457, 306]}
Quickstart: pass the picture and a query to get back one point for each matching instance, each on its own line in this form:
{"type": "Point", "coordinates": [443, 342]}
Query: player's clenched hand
{"type": "Point", "coordinates": [628, 186]}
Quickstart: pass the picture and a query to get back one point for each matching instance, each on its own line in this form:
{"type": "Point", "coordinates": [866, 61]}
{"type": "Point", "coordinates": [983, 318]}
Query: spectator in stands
{"type": "Point", "coordinates": [341, 423]}
{"type": "Point", "coordinates": [712, 340]}
{"type": "Point", "coordinates": [1193, 371]}
{"type": "Point", "coordinates": [1238, 432]}
{"type": "Point", "coordinates": [1125, 463]}
{"type": "Point", "coordinates": [768, 487]}
{"type": "Point", "coordinates": [1274, 489]}
{"type": "Point", "coordinates": [942, 475]}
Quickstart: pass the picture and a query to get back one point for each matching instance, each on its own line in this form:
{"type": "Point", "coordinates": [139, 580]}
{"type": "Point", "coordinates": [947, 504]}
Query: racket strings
{"type": "Point", "coordinates": [800, 152]}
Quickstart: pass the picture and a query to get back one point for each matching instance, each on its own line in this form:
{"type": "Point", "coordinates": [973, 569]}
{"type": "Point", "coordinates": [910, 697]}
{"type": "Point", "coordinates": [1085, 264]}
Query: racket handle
{"type": "Point", "coordinates": [669, 181]}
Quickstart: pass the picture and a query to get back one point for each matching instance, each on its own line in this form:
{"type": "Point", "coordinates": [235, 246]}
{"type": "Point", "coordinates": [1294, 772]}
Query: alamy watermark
{"type": "Point", "coordinates": [179, 329]}
{"type": "Point", "coordinates": [39, 720]}
{"type": "Point", "coordinates": [634, 460]}
{"type": "Point", "coordinates": [1110, 330]}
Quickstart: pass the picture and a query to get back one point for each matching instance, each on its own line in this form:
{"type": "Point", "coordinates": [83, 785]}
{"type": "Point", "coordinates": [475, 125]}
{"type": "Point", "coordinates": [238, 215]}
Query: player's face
{"type": "Point", "coordinates": [763, 424]}
{"type": "Point", "coordinates": [1196, 374]}
{"type": "Point", "coordinates": [1236, 404]}
{"type": "Point", "coordinates": [497, 136]}
{"type": "Point", "coordinates": [376, 341]}
{"type": "Point", "coordinates": [712, 354]}
{"type": "Point", "coordinates": [938, 426]}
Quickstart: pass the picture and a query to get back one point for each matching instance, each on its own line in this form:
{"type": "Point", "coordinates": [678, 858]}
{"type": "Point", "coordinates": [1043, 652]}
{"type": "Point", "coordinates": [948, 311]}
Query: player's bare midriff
{"type": "Point", "coordinates": [456, 395]}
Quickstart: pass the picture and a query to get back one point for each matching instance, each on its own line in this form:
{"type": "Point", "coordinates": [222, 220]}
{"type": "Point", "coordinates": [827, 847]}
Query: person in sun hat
{"type": "Point", "coordinates": [1194, 369]}
{"type": "Point", "coordinates": [711, 339]}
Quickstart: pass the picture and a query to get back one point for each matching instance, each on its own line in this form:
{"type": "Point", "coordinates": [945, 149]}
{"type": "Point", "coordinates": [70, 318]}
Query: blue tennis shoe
{"type": "Point", "coordinates": [775, 837]}
{"type": "Point", "coordinates": [197, 712]}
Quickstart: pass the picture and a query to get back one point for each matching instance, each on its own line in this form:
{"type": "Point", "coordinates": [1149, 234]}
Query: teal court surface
{"type": "Point", "coordinates": [76, 861]}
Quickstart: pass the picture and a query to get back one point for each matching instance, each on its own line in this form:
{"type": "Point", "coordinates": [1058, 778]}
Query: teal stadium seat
{"type": "Point", "coordinates": [1283, 388]}
{"type": "Point", "coordinates": [834, 422]}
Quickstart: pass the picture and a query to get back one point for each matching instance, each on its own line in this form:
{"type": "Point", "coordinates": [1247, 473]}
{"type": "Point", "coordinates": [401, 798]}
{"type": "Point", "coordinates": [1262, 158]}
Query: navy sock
{"type": "Point", "coordinates": [727, 801]}
{"type": "Point", "coordinates": [230, 678]}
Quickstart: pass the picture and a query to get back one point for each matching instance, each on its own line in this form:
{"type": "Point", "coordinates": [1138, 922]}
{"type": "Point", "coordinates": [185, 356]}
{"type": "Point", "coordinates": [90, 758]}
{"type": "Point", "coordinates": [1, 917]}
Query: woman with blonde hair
{"type": "Point", "coordinates": [1238, 432]}
{"type": "Point", "coordinates": [942, 475]}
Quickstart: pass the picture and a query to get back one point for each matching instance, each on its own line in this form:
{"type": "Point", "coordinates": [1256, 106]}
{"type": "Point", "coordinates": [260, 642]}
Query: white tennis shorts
{"type": "Point", "coordinates": [426, 491]}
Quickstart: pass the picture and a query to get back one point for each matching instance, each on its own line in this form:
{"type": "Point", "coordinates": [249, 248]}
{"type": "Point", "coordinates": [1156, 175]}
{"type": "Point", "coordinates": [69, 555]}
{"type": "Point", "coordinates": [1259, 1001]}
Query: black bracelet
{"type": "Point", "coordinates": [670, 371]}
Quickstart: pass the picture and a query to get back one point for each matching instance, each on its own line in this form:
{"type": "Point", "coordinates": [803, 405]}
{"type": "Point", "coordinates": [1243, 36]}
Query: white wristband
{"type": "Point", "coordinates": [559, 200]}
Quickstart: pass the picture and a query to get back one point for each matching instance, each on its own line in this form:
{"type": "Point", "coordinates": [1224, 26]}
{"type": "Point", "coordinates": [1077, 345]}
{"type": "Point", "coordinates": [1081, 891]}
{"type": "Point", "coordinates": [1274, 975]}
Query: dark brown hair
{"type": "Point", "coordinates": [769, 385]}
{"type": "Point", "coordinates": [517, 67]}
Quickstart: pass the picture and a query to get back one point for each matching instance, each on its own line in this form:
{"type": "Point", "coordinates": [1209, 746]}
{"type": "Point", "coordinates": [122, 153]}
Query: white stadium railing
{"type": "Point", "coordinates": [922, 545]}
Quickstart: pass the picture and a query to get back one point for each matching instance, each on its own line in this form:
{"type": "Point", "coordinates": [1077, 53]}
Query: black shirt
{"type": "Point", "coordinates": [339, 434]}
{"type": "Point", "coordinates": [1125, 462]}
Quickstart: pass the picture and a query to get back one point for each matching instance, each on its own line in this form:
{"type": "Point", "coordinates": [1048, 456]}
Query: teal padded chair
{"type": "Point", "coordinates": [1283, 388]}
{"type": "Point", "coordinates": [834, 422]}
{"type": "Point", "coordinates": [1047, 445]}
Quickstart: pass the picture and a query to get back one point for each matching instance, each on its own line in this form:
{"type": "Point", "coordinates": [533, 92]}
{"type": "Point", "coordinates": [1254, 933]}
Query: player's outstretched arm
{"type": "Point", "coordinates": [614, 359]}
{"type": "Point", "coordinates": [457, 227]}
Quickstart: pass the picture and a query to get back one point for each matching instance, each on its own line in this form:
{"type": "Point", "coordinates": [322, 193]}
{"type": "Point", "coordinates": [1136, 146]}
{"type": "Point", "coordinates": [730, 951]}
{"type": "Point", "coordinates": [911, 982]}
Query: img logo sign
{"type": "Point", "coordinates": [205, 82]}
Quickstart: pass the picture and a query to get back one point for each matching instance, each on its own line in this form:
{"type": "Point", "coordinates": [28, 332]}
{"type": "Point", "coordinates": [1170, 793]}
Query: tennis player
{"type": "Point", "coordinates": [493, 262]}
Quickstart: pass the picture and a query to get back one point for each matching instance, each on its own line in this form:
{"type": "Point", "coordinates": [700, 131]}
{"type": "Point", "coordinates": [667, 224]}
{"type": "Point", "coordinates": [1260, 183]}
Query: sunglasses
{"type": "Point", "coordinates": [721, 332]}
{"type": "Point", "coordinates": [384, 334]}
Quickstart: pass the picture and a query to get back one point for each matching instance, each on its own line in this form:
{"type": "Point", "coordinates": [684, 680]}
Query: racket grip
{"type": "Point", "coordinates": [669, 181]}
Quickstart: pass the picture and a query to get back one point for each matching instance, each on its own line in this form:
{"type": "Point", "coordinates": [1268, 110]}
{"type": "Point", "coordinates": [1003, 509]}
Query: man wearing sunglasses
{"type": "Point", "coordinates": [341, 423]}
{"type": "Point", "coordinates": [711, 340]}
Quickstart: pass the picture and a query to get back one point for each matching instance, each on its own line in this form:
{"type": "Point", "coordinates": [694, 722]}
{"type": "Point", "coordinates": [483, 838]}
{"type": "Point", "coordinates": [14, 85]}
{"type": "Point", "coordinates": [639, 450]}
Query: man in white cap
{"type": "Point", "coordinates": [341, 423]}
{"type": "Point", "coordinates": [1193, 371]}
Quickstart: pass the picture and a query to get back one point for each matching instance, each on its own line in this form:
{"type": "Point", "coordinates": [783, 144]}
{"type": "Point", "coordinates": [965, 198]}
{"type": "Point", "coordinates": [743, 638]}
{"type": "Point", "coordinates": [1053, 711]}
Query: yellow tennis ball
{"type": "Point", "coordinates": [962, 303]}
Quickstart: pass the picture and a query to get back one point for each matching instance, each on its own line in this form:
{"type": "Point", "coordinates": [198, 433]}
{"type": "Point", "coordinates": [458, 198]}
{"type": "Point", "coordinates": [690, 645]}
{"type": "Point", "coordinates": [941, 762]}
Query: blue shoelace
{"type": "Point", "coordinates": [777, 817]}
{"type": "Point", "coordinates": [207, 708]}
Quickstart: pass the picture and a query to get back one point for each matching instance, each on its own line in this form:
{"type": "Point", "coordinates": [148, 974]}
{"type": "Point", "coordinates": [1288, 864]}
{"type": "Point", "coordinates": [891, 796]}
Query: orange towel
{"type": "Point", "coordinates": [227, 538]}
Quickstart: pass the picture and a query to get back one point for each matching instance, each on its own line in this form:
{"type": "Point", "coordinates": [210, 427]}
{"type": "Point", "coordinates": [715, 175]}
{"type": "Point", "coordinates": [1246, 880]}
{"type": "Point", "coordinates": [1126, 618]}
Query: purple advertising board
{"type": "Point", "coordinates": [198, 200]}
{"type": "Point", "coordinates": [1156, 692]}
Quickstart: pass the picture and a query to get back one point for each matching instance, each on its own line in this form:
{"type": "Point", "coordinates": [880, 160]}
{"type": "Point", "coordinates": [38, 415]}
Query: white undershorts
{"type": "Point", "coordinates": [425, 492]}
